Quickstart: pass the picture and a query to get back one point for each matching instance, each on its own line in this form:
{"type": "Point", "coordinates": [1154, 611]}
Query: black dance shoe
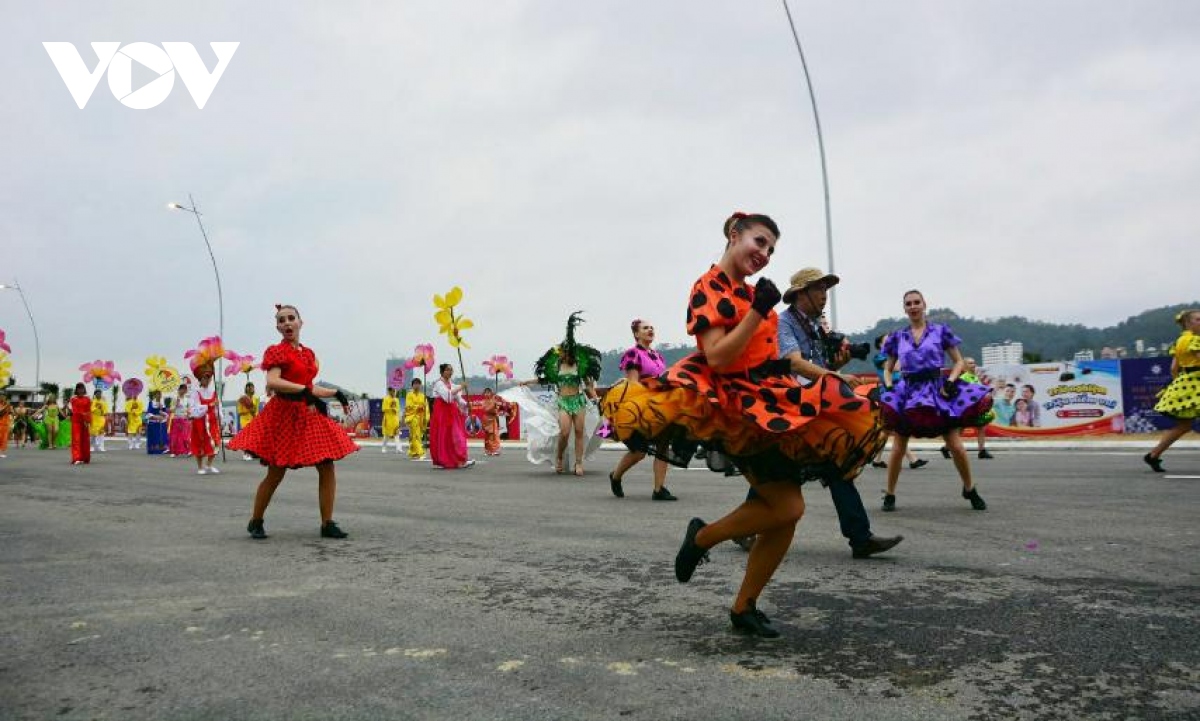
{"type": "Point", "coordinates": [663, 494]}
{"type": "Point", "coordinates": [889, 502]}
{"type": "Point", "coordinates": [256, 530]}
{"type": "Point", "coordinates": [945, 452]}
{"type": "Point", "coordinates": [615, 484]}
{"type": "Point", "coordinates": [690, 555]}
{"type": "Point", "coordinates": [976, 502]}
{"type": "Point", "coordinates": [985, 454]}
{"type": "Point", "coordinates": [331, 530]}
{"type": "Point", "coordinates": [753, 622]}
{"type": "Point", "coordinates": [1154, 463]}
{"type": "Point", "coordinates": [875, 544]}
{"type": "Point", "coordinates": [878, 464]}
{"type": "Point", "coordinates": [919, 463]}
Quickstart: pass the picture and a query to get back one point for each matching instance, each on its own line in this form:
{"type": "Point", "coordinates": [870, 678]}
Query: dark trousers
{"type": "Point", "coordinates": [852, 516]}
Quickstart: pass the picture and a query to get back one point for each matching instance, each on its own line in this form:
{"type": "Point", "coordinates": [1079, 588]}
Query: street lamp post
{"type": "Point", "coordinates": [220, 309]}
{"type": "Point", "coordinates": [824, 172]}
{"type": "Point", "coordinates": [37, 344]}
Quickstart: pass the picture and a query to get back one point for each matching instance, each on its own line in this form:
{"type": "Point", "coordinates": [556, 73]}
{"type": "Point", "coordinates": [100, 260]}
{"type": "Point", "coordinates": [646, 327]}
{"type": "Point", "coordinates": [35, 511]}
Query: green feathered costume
{"type": "Point", "coordinates": [587, 367]}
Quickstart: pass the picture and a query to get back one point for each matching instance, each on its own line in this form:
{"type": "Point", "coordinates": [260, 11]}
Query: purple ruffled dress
{"type": "Point", "coordinates": [915, 406]}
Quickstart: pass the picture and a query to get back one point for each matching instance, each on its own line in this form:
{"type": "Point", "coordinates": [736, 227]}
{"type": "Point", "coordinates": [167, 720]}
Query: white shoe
{"type": "Point", "coordinates": [214, 471]}
{"type": "Point", "coordinates": [201, 472]}
{"type": "Point", "coordinates": [247, 457]}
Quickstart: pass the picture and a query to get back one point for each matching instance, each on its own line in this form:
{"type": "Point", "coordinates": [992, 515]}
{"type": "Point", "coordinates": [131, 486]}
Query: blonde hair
{"type": "Point", "coordinates": [1182, 316]}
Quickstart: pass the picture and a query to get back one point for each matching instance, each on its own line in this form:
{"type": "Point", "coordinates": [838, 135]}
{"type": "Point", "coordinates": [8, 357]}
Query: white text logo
{"type": "Point", "coordinates": [118, 60]}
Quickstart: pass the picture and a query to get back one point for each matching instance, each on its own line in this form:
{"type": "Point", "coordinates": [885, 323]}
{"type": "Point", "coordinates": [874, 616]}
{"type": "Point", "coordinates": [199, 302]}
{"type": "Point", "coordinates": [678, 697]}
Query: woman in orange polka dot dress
{"type": "Point", "coordinates": [737, 397]}
{"type": "Point", "coordinates": [293, 430]}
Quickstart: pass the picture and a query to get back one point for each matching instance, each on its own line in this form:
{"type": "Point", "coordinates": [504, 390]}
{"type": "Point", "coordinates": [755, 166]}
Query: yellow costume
{"type": "Point", "coordinates": [247, 414]}
{"type": "Point", "coordinates": [133, 416]}
{"type": "Point", "coordinates": [416, 417]}
{"type": "Point", "coordinates": [1181, 399]}
{"type": "Point", "coordinates": [391, 416]}
{"type": "Point", "coordinates": [99, 417]}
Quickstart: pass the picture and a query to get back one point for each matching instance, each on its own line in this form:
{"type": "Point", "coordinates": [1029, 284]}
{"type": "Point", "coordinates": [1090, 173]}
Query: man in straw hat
{"type": "Point", "coordinates": [800, 332]}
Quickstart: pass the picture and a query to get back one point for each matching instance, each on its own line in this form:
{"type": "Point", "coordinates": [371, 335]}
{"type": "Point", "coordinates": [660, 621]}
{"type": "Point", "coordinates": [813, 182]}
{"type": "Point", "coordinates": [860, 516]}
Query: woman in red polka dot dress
{"type": "Point", "coordinates": [737, 397]}
{"type": "Point", "coordinates": [293, 430]}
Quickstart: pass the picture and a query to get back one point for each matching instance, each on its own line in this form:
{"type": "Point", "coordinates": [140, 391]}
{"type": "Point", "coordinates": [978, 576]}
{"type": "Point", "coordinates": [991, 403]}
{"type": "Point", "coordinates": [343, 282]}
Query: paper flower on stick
{"type": "Point", "coordinates": [423, 358]}
{"type": "Point", "coordinates": [4, 344]}
{"type": "Point", "coordinates": [239, 363]}
{"type": "Point", "coordinates": [209, 351]}
{"type": "Point", "coordinates": [450, 323]}
{"type": "Point", "coordinates": [160, 376]}
{"type": "Point", "coordinates": [132, 388]}
{"type": "Point", "coordinates": [101, 374]}
{"type": "Point", "coordinates": [499, 365]}
{"type": "Point", "coordinates": [5, 369]}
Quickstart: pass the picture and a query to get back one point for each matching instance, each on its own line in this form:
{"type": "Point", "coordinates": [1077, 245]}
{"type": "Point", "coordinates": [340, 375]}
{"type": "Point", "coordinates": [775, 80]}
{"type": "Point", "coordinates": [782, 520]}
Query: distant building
{"type": "Point", "coordinates": [1140, 346]}
{"type": "Point", "coordinates": [1006, 353]}
{"type": "Point", "coordinates": [1084, 355]}
{"type": "Point", "coordinates": [1108, 353]}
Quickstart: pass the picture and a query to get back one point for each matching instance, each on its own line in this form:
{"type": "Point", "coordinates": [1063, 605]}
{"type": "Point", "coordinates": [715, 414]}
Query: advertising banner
{"type": "Point", "coordinates": [1054, 399]}
{"type": "Point", "coordinates": [510, 425]}
{"type": "Point", "coordinates": [357, 422]}
{"type": "Point", "coordinates": [1141, 381]}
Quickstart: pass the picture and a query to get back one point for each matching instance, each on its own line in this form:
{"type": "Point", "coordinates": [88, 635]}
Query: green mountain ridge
{"type": "Point", "coordinates": [1043, 341]}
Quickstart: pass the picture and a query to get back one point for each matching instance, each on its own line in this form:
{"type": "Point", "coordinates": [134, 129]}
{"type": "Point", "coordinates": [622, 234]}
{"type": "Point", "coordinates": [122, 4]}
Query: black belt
{"type": "Point", "coordinates": [1189, 369]}
{"type": "Point", "coordinates": [305, 396]}
{"type": "Point", "coordinates": [927, 375]}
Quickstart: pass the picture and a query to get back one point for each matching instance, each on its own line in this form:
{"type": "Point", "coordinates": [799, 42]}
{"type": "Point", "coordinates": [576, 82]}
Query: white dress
{"type": "Point", "coordinates": [539, 422]}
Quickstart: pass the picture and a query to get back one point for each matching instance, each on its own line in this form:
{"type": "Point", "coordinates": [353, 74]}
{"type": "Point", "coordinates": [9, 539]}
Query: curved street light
{"type": "Point", "coordinates": [220, 306]}
{"type": "Point", "coordinates": [37, 344]}
{"type": "Point", "coordinates": [824, 172]}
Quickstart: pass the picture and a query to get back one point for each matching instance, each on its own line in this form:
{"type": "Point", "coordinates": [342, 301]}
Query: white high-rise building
{"type": "Point", "coordinates": [1084, 355]}
{"type": "Point", "coordinates": [1006, 353]}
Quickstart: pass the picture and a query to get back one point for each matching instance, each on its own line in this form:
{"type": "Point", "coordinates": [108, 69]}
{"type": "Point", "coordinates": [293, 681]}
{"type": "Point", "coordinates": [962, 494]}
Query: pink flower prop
{"type": "Point", "coordinates": [102, 371]}
{"type": "Point", "coordinates": [132, 388]}
{"type": "Point", "coordinates": [239, 363]}
{"type": "Point", "coordinates": [423, 358]}
{"type": "Point", "coordinates": [4, 345]}
{"type": "Point", "coordinates": [499, 365]}
{"type": "Point", "coordinates": [206, 353]}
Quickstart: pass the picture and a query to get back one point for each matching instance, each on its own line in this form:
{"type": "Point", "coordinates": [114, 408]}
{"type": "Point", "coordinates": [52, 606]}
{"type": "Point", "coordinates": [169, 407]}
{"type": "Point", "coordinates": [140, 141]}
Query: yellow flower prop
{"type": "Point", "coordinates": [450, 324]}
{"type": "Point", "coordinates": [5, 369]}
{"type": "Point", "coordinates": [160, 376]}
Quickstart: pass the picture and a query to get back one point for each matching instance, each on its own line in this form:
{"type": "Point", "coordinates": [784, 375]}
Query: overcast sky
{"type": "Point", "coordinates": [1008, 158]}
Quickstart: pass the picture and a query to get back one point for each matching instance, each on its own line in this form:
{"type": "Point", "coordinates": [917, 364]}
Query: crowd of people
{"type": "Point", "coordinates": [762, 398]}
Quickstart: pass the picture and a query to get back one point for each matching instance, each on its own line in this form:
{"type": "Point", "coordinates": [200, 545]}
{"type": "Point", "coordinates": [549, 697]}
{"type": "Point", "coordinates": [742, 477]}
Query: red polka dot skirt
{"type": "Point", "coordinates": [291, 434]}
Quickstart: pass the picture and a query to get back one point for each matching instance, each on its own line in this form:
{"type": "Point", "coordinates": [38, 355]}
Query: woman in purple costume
{"type": "Point", "coordinates": [924, 404]}
{"type": "Point", "coordinates": [641, 361]}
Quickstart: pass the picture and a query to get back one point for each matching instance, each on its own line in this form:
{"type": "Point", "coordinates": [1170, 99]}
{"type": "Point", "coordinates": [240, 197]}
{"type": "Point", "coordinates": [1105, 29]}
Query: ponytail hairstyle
{"type": "Point", "coordinates": [281, 306]}
{"type": "Point", "coordinates": [739, 221]}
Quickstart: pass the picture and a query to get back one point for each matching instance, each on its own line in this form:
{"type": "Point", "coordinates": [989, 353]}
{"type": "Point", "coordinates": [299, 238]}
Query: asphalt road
{"type": "Point", "coordinates": [130, 590]}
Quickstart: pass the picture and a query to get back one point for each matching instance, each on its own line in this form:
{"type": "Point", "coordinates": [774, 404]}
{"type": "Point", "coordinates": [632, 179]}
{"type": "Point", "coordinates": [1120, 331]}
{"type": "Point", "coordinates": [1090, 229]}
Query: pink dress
{"type": "Point", "coordinates": [179, 439]}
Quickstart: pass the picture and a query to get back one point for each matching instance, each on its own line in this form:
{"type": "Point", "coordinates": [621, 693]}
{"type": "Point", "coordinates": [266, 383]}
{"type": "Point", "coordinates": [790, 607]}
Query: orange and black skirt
{"type": "Point", "coordinates": [769, 426]}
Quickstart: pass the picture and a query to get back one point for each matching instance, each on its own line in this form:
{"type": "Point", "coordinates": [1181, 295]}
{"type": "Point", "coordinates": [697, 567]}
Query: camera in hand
{"type": "Point", "coordinates": [835, 341]}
